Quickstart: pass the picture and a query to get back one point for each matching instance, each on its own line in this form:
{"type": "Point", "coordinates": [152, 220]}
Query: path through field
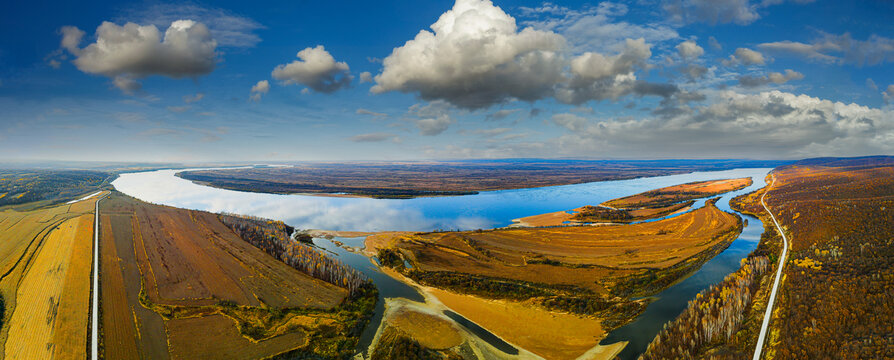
{"type": "Point", "coordinates": [766, 324]}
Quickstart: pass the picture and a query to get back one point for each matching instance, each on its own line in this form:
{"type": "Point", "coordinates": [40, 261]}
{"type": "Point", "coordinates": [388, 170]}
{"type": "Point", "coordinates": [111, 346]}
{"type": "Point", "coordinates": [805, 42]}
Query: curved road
{"type": "Point", "coordinates": [766, 324]}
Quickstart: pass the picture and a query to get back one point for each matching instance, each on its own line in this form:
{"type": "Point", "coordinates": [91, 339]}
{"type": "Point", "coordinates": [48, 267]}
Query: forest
{"type": "Point", "coordinates": [51, 186]}
{"type": "Point", "coordinates": [274, 238]}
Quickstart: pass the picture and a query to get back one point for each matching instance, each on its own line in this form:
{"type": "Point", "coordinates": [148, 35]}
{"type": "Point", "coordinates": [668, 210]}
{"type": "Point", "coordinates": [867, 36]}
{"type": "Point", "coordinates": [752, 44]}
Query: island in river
{"type": "Point", "coordinates": [415, 179]}
{"type": "Point", "coordinates": [556, 291]}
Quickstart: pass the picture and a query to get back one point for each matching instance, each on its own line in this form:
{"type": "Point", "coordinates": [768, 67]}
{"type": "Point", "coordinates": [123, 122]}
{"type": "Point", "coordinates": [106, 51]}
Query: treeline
{"type": "Point", "coordinates": [715, 315]}
{"type": "Point", "coordinates": [591, 213]}
{"type": "Point", "coordinates": [24, 186]}
{"type": "Point", "coordinates": [272, 237]}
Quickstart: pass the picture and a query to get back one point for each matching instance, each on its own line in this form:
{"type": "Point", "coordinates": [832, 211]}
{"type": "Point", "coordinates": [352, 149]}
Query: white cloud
{"type": "Point", "coordinates": [598, 77]}
{"type": "Point", "coordinates": [366, 77]}
{"type": "Point", "coordinates": [773, 77]}
{"type": "Point", "coordinates": [129, 52]}
{"type": "Point", "coordinates": [767, 124]}
{"type": "Point", "coordinates": [839, 49]}
{"type": "Point", "coordinates": [258, 90]}
{"type": "Point", "coordinates": [594, 28]}
{"type": "Point", "coordinates": [316, 69]}
{"type": "Point", "coordinates": [193, 98]}
{"type": "Point", "coordinates": [71, 38]}
{"type": "Point", "coordinates": [227, 28]}
{"type": "Point", "coordinates": [689, 50]}
{"type": "Point", "coordinates": [432, 118]}
{"type": "Point", "coordinates": [888, 94]}
{"type": "Point", "coordinates": [745, 56]}
{"type": "Point", "coordinates": [475, 57]}
{"type": "Point", "coordinates": [126, 84]}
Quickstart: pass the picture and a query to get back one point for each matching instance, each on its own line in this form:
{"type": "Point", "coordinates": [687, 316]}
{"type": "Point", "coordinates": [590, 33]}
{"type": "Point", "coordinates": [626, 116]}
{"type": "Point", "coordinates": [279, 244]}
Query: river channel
{"type": "Point", "coordinates": [484, 210]}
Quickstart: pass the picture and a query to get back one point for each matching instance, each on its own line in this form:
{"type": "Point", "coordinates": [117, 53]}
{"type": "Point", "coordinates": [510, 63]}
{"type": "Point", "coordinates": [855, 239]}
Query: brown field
{"type": "Point", "coordinates": [46, 258]}
{"type": "Point", "coordinates": [678, 193]}
{"type": "Point", "coordinates": [549, 334]}
{"type": "Point", "coordinates": [165, 272]}
{"type": "Point", "coordinates": [213, 336]}
{"type": "Point", "coordinates": [603, 250]}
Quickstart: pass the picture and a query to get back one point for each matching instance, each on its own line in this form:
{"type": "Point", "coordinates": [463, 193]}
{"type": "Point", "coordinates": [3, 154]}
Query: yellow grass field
{"type": "Point", "coordinates": [549, 334]}
{"type": "Point", "coordinates": [43, 304]}
{"type": "Point", "coordinates": [430, 331]}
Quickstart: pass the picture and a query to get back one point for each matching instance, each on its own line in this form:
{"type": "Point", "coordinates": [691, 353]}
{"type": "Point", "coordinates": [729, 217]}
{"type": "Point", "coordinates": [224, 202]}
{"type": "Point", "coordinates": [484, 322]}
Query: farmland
{"type": "Point", "coordinates": [178, 283]}
{"type": "Point", "coordinates": [412, 179]}
{"type": "Point", "coordinates": [45, 286]}
{"type": "Point", "coordinates": [519, 282]}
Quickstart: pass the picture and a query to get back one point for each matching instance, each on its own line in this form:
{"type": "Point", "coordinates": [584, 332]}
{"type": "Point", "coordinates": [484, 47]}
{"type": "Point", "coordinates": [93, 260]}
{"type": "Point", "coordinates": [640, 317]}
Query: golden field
{"type": "Point", "coordinates": [46, 257]}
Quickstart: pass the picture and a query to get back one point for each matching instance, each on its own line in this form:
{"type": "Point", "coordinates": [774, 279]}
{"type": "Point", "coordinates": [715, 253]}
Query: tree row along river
{"type": "Point", "coordinates": [481, 211]}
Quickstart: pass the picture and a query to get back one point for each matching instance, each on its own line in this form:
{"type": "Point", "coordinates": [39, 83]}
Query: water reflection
{"type": "Point", "coordinates": [485, 210]}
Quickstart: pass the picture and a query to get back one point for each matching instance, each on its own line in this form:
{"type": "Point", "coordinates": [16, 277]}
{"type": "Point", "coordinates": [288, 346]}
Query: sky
{"type": "Point", "coordinates": [398, 80]}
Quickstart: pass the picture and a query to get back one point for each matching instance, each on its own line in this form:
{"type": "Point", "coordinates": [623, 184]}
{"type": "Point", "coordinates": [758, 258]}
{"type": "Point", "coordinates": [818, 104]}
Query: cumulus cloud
{"type": "Point", "coordinates": [258, 90]}
{"type": "Point", "coordinates": [366, 77]}
{"type": "Point", "coordinates": [745, 56]}
{"type": "Point", "coordinates": [594, 28]}
{"type": "Point", "coordinates": [71, 38]}
{"type": "Point", "coordinates": [689, 50]}
{"type": "Point", "coordinates": [316, 69]}
{"type": "Point", "coordinates": [694, 71]}
{"type": "Point", "coordinates": [130, 52]}
{"type": "Point", "coordinates": [773, 77]}
{"type": "Point", "coordinates": [227, 28]}
{"type": "Point", "coordinates": [475, 56]}
{"type": "Point", "coordinates": [839, 49]}
{"type": "Point", "coordinates": [432, 118]}
{"type": "Point", "coordinates": [373, 137]}
{"type": "Point", "coordinates": [888, 94]}
{"type": "Point", "coordinates": [766, 124]}
{"type": "Point", "coordinates": [598, 77]}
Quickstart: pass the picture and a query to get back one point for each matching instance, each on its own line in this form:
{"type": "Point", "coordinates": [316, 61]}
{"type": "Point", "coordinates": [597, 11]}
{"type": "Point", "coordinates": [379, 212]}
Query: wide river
{"type": "Point", "coordinates": [485, 210]}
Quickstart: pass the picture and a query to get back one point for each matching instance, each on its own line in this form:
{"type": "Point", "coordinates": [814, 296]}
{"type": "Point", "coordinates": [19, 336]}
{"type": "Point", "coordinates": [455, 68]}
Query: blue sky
{"type": "Point", "coordinates": [388, 80]}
